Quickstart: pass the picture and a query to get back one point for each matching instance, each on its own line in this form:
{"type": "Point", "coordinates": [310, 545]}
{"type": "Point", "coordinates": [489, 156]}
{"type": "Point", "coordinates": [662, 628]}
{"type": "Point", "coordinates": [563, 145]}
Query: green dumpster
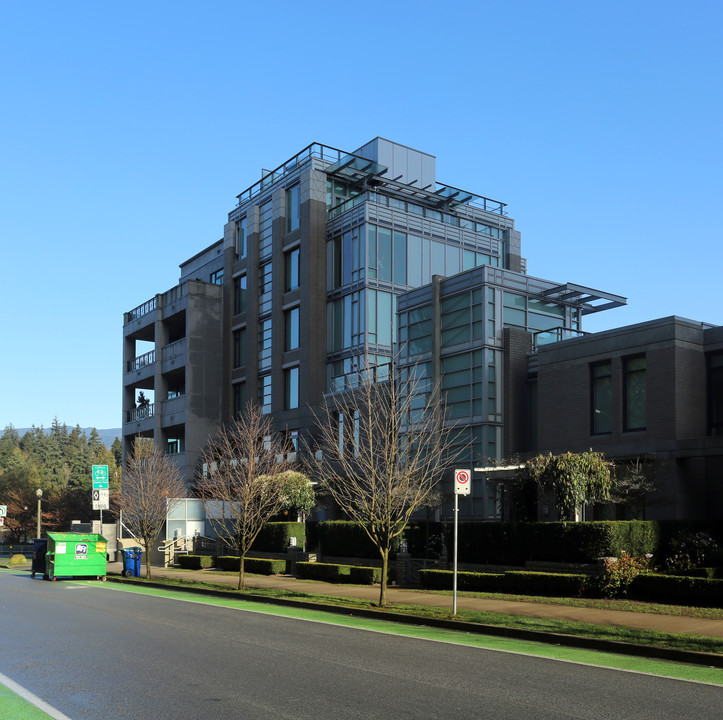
{"type": "Point", "coordinates": [76, 555]}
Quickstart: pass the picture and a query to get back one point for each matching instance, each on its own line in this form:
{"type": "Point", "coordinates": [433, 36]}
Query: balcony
{"type": "Point", "coordinates": [142, 361]}
{"type": "Point", "coordinates": [141, 413]}
{"type": "Point", "coordinates": [173, 411]}
{"type": "Point", "coordinates": [174, 355]}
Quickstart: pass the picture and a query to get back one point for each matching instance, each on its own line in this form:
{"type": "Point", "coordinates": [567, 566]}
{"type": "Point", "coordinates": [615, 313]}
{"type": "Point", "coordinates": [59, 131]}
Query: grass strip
{"type": "Point", "coordinates": [652, 638]}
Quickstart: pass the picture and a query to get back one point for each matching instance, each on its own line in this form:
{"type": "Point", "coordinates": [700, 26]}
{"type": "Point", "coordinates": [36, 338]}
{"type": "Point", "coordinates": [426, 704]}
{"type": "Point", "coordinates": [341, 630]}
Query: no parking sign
{"type": "Point", "coordinates": [462, 482]}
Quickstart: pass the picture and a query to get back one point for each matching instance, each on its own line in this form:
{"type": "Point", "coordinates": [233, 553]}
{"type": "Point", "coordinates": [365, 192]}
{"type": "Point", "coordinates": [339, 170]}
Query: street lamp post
{"type": "Point", "coordinates": [39, 493]}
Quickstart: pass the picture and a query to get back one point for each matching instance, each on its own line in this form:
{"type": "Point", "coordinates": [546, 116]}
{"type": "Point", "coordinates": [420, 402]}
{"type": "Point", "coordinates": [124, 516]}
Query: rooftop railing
{"type": "Point", "coordinates": [315, 150]}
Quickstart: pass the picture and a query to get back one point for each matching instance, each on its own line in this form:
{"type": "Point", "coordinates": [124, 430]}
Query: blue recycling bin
{"type": "Point", "coordinates": [131, 561]}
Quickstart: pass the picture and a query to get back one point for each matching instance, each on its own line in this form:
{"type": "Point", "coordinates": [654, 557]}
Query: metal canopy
{"type": "Point", "coordinates": [585, 297]}
{"type": "Point", "coordinates": [355, 168]}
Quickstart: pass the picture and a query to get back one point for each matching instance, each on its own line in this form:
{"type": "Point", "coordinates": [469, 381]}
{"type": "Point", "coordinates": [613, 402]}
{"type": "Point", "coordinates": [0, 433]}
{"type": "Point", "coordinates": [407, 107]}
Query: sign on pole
{"type": "Point", "coordinates": [462, 482]}
{"type": "Point", "coordinates": [3, 511]}
{"type": "Point", "coordinates": [101, 499]}
{"type": "Point", "coordinates": [100, 477]}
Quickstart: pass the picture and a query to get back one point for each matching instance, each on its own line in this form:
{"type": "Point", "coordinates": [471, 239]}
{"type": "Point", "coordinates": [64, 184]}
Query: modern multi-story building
{"type": "Point", "coordinates": [301, 292]}
{"type": "Point", "coordinates": [336, 262]}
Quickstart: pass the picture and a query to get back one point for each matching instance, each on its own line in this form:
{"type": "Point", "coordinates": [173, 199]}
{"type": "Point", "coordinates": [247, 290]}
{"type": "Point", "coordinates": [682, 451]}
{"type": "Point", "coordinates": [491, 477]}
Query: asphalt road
{"type": "Point", "coordinates": [100, 653]}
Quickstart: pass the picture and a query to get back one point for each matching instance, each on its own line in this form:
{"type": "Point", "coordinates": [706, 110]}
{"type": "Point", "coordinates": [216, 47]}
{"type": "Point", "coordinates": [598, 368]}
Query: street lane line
{"type": "Point", "coordinates": [32, 699]}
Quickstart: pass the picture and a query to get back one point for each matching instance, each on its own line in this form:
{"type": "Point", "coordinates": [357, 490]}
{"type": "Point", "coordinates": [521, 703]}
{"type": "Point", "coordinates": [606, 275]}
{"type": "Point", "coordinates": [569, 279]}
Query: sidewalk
{"type": "Point", "coordinates": [410, 596]}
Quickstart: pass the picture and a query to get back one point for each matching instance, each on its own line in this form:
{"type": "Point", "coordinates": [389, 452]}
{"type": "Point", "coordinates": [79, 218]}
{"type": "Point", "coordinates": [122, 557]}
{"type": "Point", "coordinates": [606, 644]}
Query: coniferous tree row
{"type": "Point", "coordinates": [59, 462]}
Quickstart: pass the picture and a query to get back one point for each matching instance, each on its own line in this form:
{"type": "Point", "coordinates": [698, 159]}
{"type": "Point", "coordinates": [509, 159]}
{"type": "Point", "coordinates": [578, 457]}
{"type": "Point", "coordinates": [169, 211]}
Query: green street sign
{"type": "Point", "coordinates": [100, 477]}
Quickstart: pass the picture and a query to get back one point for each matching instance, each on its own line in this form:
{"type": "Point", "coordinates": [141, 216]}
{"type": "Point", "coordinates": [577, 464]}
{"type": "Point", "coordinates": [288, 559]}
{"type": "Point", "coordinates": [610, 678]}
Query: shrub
{"type": "Point", "coordinates": [345, 539]}
{"type": "Point", "coordinates": [328, 572]}
{"type": "Point", "coordinates": [18, 559]}
{"type": "Point", "coordinates": [618, 574]}
{"type": "Point", "coordinates": [263, 566]}
{"type": "Point", "coordinates": [276, 536]}
{"type": "Point", "coordinates": [523, 582]}
{"type": "Point", "coordinates": [425, 539]}
{"type": "Point", "coordinates": [364, 575]}
{"type": "Point", "coordinates": [678, 590]}
{"type": "Point", "coordinates": [690, 550]}
{"type": "Point", "coordinates": [195, 562]}
{"type": "Point", "coordinates": [229, 563]}
{"type": "Point", "coordinates": [518, 582]}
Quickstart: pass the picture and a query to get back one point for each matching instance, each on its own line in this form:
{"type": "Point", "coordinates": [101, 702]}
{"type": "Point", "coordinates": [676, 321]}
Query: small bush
{"type": "Point", "coordinates": [195, 562]}
{"type": "Point", "coordinates": [263, 566]}
{"type": "Point", "coordinates": [618, 574]}
{"type": "Point", "coordinates": [17, 559]}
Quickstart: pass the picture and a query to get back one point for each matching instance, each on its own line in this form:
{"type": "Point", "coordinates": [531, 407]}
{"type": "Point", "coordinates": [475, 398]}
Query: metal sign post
{"type": "Point", "coordinates": [462, 486]}
{"type": "Point", "coordinates": [100, 486]}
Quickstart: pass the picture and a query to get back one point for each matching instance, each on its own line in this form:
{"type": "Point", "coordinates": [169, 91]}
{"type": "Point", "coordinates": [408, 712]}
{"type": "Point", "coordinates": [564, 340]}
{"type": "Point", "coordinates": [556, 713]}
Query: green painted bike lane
{"type": "Point", "coordinates": [561, 653]}
{"type": "Point", "coordinates": [16, 703]}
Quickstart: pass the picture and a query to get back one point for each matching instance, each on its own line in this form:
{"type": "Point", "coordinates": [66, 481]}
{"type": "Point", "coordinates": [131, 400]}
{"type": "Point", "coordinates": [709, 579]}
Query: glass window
{"type": "Point", "coordinates": [438, 258]}
{"type": "Point", "coordinates": [241, 238]}
{"type": "Point", "coordinates": [384, 254]}
{"type": "Point", "coordinates": [239, 398]}
{"type": "Point", "coordinates": [291, 388]}
{"type": "Point", "coordinates": [715, 393]}
{"type": "Point", "coordinates": [291, 322]}
{"type": "Point", "coordinates": [400, 258]}
{"type": "Point", "coordinates": [265, 229]}
{"type": "Point", "coordinates": [602, 401]}
{"type": "Point", "coordinates": [239, 294]}
{"type": "Point", "coordinates": [452, 267]}
{"type": "Point", "coordinates": [265, 277]}
{"type": "Point", "coordinates": [239, 348]}
{"type": "Point", "coordinates": [217, 277]}
{"type": "Point", "coordinates": [264, 388]}
{"type": "Point", "coordinates": [264, 343]}
{"type": "Point", "coordinates": [414, 264]}
{"type": "Point", "coordinates": [372, 250]}
{"type": "Point", "coordinates": [292, 208]}
{"type": "Point", "coordinates": [635, 391]}
{"type": "Point", "coordinates": [291, 263]}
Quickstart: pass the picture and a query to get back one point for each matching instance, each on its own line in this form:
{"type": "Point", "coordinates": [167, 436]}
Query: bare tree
{"type": "Point", "coordinates": [151, 486]}
{"type": "Point", "coordinates": [384, 447]}
{"type": "Point", "coordinates": [243, 483]}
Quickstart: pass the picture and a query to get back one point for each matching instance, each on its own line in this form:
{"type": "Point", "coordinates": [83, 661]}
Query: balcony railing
{"type": "Point", "coordinates": [141, 413]}
{"type": "Point", "coordinates": [545, 337]}
{"type": "Point", "coordinates": [142, 361]}
{"type": "Point", "coordinates": [141, 310]}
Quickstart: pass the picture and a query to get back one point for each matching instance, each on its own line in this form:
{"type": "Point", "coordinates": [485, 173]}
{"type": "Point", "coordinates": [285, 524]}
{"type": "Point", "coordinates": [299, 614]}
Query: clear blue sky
{"type": "Point", "coordinates": [128, 129]}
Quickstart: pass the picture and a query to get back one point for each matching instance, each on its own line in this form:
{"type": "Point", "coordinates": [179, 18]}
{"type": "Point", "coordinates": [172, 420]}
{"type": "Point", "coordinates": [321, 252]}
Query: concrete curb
{"type": "Point", "coordinates": [612, 646]}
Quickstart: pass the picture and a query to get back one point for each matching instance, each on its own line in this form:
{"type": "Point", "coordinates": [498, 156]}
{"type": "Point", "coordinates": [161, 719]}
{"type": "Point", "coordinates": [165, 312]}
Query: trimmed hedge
{"type": "Point", "coordinates": [516, 582]}
{"type": "Point", "coordinates": [341, 538]}
{"type": "Point", "coordinates": [195, 562]}
{"type": "Point", "coordinates": [677, 590]}
{"type": "Point", "coordinates": [333, 572]}
{"type": "Point", "coordinates": [259, 566]}
{"type": "Point", "coordinates": [276, 536]}
{"type": "Point", "coordinates": [514, 543]}
{"type": "Point", "coordinates": [328, 572]}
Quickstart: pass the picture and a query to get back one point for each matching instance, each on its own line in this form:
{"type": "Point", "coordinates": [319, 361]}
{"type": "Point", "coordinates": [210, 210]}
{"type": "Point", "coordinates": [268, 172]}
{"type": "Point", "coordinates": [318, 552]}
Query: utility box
{"type": "Point", "coordinates": [76, 555]}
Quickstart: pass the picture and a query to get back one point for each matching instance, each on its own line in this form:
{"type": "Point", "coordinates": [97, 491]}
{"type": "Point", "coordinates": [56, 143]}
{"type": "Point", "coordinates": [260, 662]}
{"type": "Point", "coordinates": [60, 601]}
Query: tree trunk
{"type": "Point", "coordinates": [148, 563]}
{"type": "Point", "coordinates": [383, 588]}
{"type": "Point", "coordinates": [242, 560]}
